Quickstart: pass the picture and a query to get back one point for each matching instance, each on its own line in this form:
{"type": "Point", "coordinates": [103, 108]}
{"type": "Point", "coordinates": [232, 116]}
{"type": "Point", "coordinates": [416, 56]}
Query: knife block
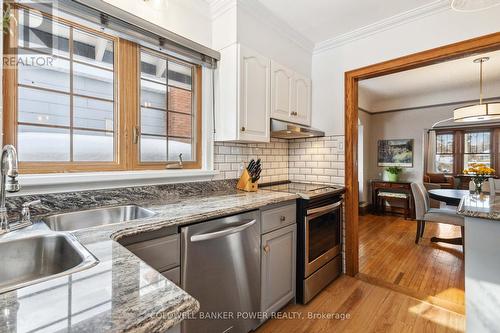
{"type": "Point", "coordinates": [245, 183]}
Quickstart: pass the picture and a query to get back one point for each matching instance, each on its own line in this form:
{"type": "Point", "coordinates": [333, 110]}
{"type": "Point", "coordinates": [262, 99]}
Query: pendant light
{"type": "Point", "coordinates": [473, 5]}
{"type": "Point", "coordinates": [481, 111]}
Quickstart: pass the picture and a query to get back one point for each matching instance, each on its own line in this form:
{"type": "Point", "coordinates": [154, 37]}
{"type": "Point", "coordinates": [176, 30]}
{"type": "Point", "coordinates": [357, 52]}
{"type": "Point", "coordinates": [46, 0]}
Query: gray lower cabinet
{"type": "Point", "coordinates": [278, 268]}
{"type": "Point", "coordinates": [162, 253]}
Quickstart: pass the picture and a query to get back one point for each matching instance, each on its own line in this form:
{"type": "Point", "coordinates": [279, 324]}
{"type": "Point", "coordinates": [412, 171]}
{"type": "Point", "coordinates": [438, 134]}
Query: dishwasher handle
{"type": "Point", "coordinates": [224, 232]}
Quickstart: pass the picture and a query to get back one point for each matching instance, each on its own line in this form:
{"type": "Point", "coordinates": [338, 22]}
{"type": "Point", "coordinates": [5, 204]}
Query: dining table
{"type": "Point", "coordinates": [451, 197]}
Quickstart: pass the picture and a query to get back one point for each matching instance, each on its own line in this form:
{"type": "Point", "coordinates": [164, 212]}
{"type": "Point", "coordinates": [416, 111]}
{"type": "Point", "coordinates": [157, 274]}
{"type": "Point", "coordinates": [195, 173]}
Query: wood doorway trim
{"type": "Point", "coordinates": [449, 52]}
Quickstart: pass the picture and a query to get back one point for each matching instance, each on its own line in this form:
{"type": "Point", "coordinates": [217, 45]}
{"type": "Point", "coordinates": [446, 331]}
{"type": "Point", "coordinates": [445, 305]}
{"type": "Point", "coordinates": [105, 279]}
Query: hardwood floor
{"type": "Point", "coordinates": [364, 307]}
{"type": "Point", "coordinates": [429, 271]}
{"type": "Point", "coordinates": [402, 286]}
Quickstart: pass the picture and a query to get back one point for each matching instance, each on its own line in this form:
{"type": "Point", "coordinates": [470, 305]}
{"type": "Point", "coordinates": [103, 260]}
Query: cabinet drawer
{"type": "Point", "coordinates": [278, 217]}
{"type": "Point", "coordinates": [160, 253]}
{"type": "Point", "coordinates": [173, 275]}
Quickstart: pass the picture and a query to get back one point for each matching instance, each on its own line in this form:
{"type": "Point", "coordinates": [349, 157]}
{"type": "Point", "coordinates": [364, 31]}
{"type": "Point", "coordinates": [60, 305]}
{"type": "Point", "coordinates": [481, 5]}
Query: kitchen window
{"type": "Point", "coordinates": [444, 153]}
{"type": "Point", "coordinates": [65, 112]}
{"type": "Point", "coordinates": [97, 102]}
{"type": "Point", "coordinates": [477, 148]}
{"type": "Point", "coordinates": [167, 116]}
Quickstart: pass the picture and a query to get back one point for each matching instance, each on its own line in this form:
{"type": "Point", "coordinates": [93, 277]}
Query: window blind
{"type": "Point", "coordinates": [135, 29]}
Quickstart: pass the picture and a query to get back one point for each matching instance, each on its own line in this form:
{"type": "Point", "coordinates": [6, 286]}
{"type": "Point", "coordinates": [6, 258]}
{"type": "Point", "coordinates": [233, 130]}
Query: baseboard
{"type": "Point", "coordinates": [365, 209]}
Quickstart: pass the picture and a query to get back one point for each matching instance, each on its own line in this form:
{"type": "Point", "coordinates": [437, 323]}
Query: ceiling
{"type": "Point", "coordinates": [319, 20]}
{"type": "Point", "coordinates": [447, 82]}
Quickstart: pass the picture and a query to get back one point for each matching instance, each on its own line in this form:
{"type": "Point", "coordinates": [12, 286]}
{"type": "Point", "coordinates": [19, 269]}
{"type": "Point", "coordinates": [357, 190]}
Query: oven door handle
{"type": "Point", "coordinates": [324, 209]}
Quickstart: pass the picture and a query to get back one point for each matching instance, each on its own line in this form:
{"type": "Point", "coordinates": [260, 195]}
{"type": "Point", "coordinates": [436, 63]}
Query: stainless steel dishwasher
{"type": "Point", "coordinates": [220, 267]}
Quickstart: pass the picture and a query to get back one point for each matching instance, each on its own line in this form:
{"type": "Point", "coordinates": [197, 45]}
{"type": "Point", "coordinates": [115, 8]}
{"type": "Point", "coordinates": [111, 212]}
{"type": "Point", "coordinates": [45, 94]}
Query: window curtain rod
{"type": "Point", "coordinates": [138, 29]}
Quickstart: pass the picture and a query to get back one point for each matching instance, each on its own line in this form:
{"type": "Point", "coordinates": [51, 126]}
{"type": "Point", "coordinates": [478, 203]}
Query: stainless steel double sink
{"type": "Point", "coordinates": [33, 257]}
{"type": "Point", "coordinates": [40, 257]}
{"type": "Point", "coordinates": [96, 217]}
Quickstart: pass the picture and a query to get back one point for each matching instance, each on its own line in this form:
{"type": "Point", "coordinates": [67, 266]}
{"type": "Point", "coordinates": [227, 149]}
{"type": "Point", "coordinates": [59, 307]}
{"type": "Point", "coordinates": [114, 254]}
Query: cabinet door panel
{"type": "Point", "coordinates": [254, 96]}
{"type": "Point", "coordinates": [281, 91]}
{"type": "Point", "coordinates": [301, 108]}
{"type": "Point", "coordinates": [278, 268]}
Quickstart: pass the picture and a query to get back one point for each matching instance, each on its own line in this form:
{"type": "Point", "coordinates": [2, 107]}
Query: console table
{"type": "Point", "coordinates": [396, 187]}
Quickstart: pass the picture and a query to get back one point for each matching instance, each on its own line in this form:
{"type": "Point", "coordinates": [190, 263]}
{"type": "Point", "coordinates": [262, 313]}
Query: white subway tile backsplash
{"type": "Point", "coordinates": [224, 150]}
{"type": "Point", "coordinates": [303, 160]}
{"type": "Point", "coordinates": [317, 160]}
{"type": "Point", "coordinates": [323, 164]}
{"type": "Point", "coordinates": [323, 179]}
{"type": "Point", "coordinates": [311, 178]}
{"type": "Point", "coordinates": [312, 164]}
{"type": "Point", "coordinates": [330, 144]}
{"type": "Point", "coordinates": [316, 171]}
{"type": "Point", "coordinates": [231, 158]}
{"type": "Point", "coordinates": [317, 144]}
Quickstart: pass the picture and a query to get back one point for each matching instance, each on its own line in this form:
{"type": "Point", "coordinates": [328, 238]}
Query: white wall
{"type": "Point", "coordinates": [403, 125]}
{"type": "Point", "coordinates": [262, 37]}
{"type": "Point", "coordinates": [364, 164]}
{"type": "Point", "coordinates": [409, 124]}
{"type": "Point", "coordinates": [188, 18]}
{"type": "Point", "coordinates": [328, 67]}
{"type": "Point", "coordinates": [439, 96]}
{"type": "Point", "coordinates": [252, 25]}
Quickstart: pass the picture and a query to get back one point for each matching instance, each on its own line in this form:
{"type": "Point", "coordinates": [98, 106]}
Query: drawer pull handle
{"type": "Point", "coordinates": [282, 218]}
{"type": "Point", "coordinates": [267, 248]}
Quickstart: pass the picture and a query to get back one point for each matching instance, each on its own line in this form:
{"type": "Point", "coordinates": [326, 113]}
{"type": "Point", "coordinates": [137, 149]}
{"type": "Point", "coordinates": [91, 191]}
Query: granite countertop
{"type": "Point", "coordinates": [121, 293]}
{"type": "Point", "coordinates": [480, 205]}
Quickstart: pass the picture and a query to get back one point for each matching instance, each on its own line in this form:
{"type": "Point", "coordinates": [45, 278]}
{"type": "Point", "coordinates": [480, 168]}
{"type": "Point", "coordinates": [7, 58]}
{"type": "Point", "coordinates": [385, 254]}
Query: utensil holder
{"type": "Point", "coordinates": [245, 183]}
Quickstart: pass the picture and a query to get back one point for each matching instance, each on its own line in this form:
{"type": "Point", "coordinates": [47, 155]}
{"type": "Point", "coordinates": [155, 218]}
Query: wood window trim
{"type": "Point", "coordinates": [459, 145]}
{"type": "Point", "coordinates": [10, 104]}
{"type": "Point", "coordinates": [126, 105]}
{"type": "Point", "coordinates": [134, 150]}
{"type": "Point", "coordinates": [479, 130]}
{"type": "Point", "coordinates": [452, 154]}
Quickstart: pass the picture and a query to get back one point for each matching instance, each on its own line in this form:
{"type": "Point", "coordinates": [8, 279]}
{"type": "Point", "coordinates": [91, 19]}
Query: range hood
{"type": "Point", "coordinates": [283, 130]}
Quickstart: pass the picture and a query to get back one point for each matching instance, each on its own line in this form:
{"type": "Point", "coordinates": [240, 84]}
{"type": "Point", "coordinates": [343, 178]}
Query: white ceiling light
{"type": "Point", "coordinates": [473, 5]}
{"type": "Point", "coordinates": [481, 111]}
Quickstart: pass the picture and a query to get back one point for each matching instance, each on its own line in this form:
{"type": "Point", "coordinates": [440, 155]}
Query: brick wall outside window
{"type": "Point", "coordinates": [179, 124]}
{"type": "Point", "coordinates": [179, 100]}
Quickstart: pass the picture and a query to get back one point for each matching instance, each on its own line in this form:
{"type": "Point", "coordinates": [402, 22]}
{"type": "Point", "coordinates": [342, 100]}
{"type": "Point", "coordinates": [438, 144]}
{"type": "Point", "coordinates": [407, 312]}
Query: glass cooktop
{"type": "Point", "coordinates": [305, 190]}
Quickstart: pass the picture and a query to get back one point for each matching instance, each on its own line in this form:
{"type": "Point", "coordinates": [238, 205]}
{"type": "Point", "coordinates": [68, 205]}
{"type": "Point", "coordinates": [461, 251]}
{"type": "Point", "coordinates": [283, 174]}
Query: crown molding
{"type": "Point", "coordinates": [382, 25]}
{"type": "Point", "coordinates": [262, 13]}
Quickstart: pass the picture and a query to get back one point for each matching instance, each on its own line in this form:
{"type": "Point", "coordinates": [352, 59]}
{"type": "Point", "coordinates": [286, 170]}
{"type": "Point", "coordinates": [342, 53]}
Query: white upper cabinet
{"type": "Point", "coordinates": [244, 96]}
{"type": "Point", "coordinates": [281, 91]}
{"type": "Point", "coordinates": [301, 106]}
{"type": "Point", "coordinates": [255, 95]}
{"type": "Point", "coordinates": [290, 95]}
{"type": "Point", "coordinates": [249, 89]}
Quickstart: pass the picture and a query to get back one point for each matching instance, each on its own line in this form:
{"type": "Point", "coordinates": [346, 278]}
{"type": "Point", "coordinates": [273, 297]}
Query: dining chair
{"type": "Point", "coordinates": [424, 213]}
{"type": "Point", "coordinates": [492, 185]}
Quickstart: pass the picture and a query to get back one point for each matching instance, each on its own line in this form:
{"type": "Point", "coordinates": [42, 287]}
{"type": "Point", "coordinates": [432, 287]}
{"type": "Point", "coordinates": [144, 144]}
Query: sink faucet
{"type": "Point", "coordinates": [8, 182]}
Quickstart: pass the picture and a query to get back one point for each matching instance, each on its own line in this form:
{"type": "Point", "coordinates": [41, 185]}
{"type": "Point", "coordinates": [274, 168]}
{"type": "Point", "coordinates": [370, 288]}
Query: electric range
{"type": "Point", "coordinates": [319, 235]}
{"type": "Point", "coordinates": [306, 191]}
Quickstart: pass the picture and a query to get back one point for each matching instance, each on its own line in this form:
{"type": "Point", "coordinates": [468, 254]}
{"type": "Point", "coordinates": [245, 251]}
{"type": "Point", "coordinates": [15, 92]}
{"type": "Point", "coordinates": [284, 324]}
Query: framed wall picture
{"type": "Point", "coordinates": [397, 152]}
